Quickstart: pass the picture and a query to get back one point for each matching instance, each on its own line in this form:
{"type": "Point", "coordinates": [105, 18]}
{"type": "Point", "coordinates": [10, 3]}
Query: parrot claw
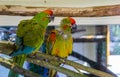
{"type": "Point", "coordinates": [11, 53]}
{"type": "Point", "coordinates": [12, 66]}
{"type": "Point", "coordinates": [63, 61]}
{"type": "Point", "coordinates": [33, 54]}
{"type": "Point", "coordinates": [14, 45]}
{"type": "Point", "coordinates": [14, 49]}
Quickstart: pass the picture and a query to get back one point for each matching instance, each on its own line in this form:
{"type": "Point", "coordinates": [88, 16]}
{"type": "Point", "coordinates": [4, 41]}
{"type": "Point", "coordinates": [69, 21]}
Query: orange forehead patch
{"type": "Point", "coordinates": [50, 12]}
{"type": "Point", "coordinates": [72, 20]}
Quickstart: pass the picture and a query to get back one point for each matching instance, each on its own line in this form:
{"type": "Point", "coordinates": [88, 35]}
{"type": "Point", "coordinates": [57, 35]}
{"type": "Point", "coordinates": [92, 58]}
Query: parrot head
{"type": "Point", "coordinates": [50, 14]}
{"type": "Point", "coordinates": [68, 24]}
{"type": "Point", "coordinates": [73, 24]}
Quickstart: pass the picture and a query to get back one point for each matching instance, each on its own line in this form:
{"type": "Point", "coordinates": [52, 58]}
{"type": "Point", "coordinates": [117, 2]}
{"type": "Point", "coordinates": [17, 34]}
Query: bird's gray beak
{"type": "Point", "coordinates": [52, 18]}
{"type": "Point", "coordinates": [74, 28]}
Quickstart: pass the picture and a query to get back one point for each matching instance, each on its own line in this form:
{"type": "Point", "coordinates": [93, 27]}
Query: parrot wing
{"type": "Point", "coordinates": [69, 45]}
{"type": "Point", "coordinates": [24, 27]}
{"type": "Point", "coordinates": [19, 39]}
{"type": "Point", "coordinates": [21, 31]}
{"type": "Point", "coordinates": [49, 46]}
{"type": "Point", "coordinates": [50, 41]}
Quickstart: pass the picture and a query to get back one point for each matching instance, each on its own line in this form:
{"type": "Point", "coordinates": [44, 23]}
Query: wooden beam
{"type": "Point", "coordinates": [99, 11]}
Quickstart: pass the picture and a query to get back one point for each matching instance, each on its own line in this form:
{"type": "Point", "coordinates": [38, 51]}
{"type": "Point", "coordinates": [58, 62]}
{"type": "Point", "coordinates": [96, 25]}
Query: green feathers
{"type": "Point", "coordinates": [31, 33]}
{"type": "Point", "coordinates": [33, 30]}
{"type": "Point", "coordinates": [65, 25]}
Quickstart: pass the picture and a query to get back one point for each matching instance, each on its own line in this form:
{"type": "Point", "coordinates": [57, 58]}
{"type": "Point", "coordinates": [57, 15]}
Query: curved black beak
{"type": "Point", "coordinates": [74, 28]}
{"type": "Point", "coordinates": [52, 18]}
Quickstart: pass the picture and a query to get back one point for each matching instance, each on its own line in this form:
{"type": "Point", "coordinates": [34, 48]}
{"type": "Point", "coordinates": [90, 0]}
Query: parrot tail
{"type": "Point", "coordinates": [19, 60]}
{"type": "Point", "coordinates": [13, 74]}
{"type": "Point", "coordinates": [52, 73]}
{"type": "Point", "coordinates": [38, 69]}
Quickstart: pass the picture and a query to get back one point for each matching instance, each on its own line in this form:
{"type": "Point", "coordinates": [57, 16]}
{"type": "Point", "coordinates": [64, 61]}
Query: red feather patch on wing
{"type": "Point", "coordinates": [52, 36]}
{"type": "Point", "coordinates": [49, 11]}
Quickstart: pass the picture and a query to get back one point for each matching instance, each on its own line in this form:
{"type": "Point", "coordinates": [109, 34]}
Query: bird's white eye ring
{"type": "Point", "coordinates": [70, 25]}
{"type": "Point", "coordinates": [48, 16]}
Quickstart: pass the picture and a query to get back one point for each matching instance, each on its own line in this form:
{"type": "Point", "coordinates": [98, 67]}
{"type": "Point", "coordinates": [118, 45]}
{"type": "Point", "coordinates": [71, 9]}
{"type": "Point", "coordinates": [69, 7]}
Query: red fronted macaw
{"type": "Point", "coordinates": [30, 36]}
{"type": "Point", "coordinates": [60, 42]}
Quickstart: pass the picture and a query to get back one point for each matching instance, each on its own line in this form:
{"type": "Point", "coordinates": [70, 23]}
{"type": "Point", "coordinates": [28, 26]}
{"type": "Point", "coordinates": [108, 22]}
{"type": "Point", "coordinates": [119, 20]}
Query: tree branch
{"type": "Point", "coordinates": [9, 64]}
{"type": "Point", "coordinates": [99, 11]}
{"type": "Point", "coordinates": [40, 58]}
{"type": "Point", "coordinates": [38, 55]}
{"type": "Point", "coordinates": [92, 63]}
{"type": "Point", "coordinates": [6, 48]}
{"type": "Point", "coordinates": [58, 68]}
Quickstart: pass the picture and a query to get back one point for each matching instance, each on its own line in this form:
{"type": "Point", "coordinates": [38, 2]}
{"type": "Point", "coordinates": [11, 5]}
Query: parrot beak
{"type": "Point", "coordinates": [73, 28]}
{"type": "Point", "coordinates": [51, 18]}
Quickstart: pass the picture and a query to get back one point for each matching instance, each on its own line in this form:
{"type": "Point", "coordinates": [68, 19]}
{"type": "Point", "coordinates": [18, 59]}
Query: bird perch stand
{"type": "Point", "coordinates": [44, 60]}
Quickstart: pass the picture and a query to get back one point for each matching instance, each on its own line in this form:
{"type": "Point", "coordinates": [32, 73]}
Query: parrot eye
{"type": "Point", "coordinates": [70, 25]}
{"type": "Point", "coordinates": [50, 17]}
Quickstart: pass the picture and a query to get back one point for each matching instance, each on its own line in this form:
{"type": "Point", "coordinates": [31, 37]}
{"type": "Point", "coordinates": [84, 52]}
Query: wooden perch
{"type": "Point", "coordinates": [16, 68]}
{"type": "Point", "coordinates": [7, 46]}
{"type": "Point", "coordinates": [38, 55]}
{"type": "Point", "coordinates": [52, 66]}
{"type": "Point", "coordinates": [37, 59]}
{"type": "Point", "coordinates": [99, 11]}
{"type": "Point", "coordinates": [92, 64]}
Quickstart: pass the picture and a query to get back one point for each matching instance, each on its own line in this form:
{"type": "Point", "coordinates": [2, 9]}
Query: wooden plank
{"type": "Point", "coordinates": [99, 11]}
{"type": "Point", "coordinates": [107, 44]}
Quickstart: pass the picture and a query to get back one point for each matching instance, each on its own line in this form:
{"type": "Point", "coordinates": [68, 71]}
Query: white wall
{"type": "Point", "coordinates": [14, 20]}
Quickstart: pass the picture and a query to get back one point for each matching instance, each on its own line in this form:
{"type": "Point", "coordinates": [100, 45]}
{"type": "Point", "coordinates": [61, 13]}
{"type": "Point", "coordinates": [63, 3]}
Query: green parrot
{"type": "Point", "coordinates": [30, 36]}
{"type": "Point", "coordinates": [60, 42]}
